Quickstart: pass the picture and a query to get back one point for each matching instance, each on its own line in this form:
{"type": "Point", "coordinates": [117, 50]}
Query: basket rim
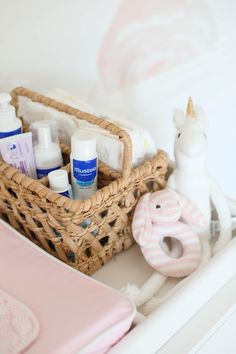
{"type": "Point", "coordinates": [158, 161]}
{"type": "Point", "coordinates": [121, 180]}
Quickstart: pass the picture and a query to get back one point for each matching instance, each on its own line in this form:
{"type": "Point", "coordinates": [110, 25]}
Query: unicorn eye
{"type": "Point", "coordinates": [178, 136]}
{"type": "Point", "coordinates": [205, 135]}
{"type": "Point", "coordinates": [158, 206]}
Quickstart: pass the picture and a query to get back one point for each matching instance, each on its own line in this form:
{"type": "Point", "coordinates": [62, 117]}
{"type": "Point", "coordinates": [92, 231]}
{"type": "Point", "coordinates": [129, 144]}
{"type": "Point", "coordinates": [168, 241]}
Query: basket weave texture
{"type": "Point", "coordinates": [82, 233]}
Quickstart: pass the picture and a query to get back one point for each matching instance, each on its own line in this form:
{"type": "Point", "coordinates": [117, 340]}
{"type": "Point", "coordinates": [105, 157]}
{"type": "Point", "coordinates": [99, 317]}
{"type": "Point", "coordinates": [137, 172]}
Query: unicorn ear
{"type": "Point", "coordinates": [201, 115]}
{"type": "Point", "coordinates": [190, 213]}
{"type": "Point", "coordinates": [142, 225]}
{"type": "Point", "coordinates": [179, 118]}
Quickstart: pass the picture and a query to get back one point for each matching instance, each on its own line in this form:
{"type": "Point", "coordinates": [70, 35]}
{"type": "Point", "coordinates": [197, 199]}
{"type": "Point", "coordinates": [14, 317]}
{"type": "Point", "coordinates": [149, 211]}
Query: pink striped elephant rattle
{"type": "Point", "coordinates": [157, 217]}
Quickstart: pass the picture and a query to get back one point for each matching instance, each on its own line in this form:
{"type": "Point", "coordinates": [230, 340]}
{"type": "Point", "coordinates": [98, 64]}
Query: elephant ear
{"type": "Point", "coordinates": [142, 225]}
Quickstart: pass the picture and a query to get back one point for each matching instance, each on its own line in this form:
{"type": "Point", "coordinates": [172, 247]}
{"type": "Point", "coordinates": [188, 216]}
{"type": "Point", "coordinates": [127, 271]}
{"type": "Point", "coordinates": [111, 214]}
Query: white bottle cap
{"type": "Point", "coordinates": [83, 146]}
{"type": "Point", "coordinates": [58, 180]}
{"type": "Point", "coordinates": [7, 111]}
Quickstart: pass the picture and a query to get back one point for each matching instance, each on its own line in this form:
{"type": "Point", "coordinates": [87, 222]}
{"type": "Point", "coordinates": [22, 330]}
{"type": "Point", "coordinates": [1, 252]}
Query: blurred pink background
{"type": "Point", "coordinates": [135, 59]}
{"type": "Point", "coordinates": [146, 38]}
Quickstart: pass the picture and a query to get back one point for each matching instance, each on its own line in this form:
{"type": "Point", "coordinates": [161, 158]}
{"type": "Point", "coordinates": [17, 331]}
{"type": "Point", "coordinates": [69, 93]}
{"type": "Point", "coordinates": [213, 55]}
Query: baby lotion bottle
{"type": "Point", "coordinates": [47, 151]}
{"type": "Point", "coordinates": [83, 160]}
{"type": "Point", "coordinates": [9, 123]}
{"type": "Point", "coordinates": [59, 183]}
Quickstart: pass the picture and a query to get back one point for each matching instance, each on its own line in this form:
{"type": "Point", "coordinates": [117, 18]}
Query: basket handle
{"type": "Point", "coordinates": [61, 107]}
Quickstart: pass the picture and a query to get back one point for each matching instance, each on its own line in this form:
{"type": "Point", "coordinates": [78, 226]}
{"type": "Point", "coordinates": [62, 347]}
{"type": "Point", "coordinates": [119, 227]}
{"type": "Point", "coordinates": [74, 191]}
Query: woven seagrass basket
{"type": "Point", "coordinates": [82, 233]}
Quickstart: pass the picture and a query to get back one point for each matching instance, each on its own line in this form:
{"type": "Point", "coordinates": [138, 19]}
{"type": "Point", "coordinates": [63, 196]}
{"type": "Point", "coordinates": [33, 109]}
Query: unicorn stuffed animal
{"type": "Point", "coordinates": [191, 179]}
{"type": "Point", "coordinates": [190, 176]}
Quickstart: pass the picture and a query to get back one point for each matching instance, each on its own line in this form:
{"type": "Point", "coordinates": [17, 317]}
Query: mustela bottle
{"type": "Point", "coordinates": [9, 123]}
{"type": "Point", "coordinates": [47, 151]}
{"type": "Point", "coordinates": [84, 163]}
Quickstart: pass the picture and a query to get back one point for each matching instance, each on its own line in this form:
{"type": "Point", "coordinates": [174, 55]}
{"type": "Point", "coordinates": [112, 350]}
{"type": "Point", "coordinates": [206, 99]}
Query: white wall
{"type": "Point", "coordinates": [134, 58]}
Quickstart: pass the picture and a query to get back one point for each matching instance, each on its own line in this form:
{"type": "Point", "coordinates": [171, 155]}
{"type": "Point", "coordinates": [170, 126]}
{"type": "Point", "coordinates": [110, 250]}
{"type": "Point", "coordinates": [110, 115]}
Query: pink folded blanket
{"type": "Point", "coordinates": [76, 313]}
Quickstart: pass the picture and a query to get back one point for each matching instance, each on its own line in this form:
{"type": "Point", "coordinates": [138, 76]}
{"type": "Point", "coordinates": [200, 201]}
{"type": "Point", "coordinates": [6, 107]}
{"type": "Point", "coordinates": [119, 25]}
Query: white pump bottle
{"type": "Point", "coordinates": [9, 123]}
{"type": "Point", "coordinates": [47, 151]}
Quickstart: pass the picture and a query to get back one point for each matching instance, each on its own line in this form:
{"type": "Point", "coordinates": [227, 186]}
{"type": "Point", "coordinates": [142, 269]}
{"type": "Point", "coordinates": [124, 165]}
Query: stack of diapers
{"type": "Point", "coordinates": [109, 148]}
{"type": "Point", "coordinates": [48, 307]}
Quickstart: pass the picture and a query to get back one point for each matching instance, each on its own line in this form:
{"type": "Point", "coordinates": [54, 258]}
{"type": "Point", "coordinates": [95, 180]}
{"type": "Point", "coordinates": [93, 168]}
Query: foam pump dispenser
{"type": "Point", "coordinates": [47, 151]}
{"type": "Point", "coordinates": [9, 123]}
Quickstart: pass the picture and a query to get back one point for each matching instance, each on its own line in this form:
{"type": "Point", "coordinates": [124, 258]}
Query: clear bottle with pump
{"type": "Point", "coordinates": [47, 150]}
{"type": "Point", "coordinates": [9, 123]}
{"type": "Point", "coordinates": [83, 160]}
{"type": "Point", "coordinates": [59, 182]}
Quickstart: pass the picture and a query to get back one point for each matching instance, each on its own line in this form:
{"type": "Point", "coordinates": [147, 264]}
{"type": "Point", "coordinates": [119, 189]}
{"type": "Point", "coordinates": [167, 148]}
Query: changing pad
{"type": "Point", "coordinates": [76, 314]}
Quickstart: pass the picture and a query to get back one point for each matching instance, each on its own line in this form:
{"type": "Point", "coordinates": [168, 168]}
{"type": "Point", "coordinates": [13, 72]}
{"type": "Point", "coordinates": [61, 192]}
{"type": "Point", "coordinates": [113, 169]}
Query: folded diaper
{"type": "Point", "coordinates": [33, 111]}
{"type": "Point", "coordinates": [67, 98]}
{"type": "Point", "coordinates": [110, 148]}
{"type": "Point", "coordinates": [143, 145]}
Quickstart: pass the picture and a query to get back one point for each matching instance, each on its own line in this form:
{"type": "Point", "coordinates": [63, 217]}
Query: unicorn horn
{"type": "Point", "coordinates": [190, 112]}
